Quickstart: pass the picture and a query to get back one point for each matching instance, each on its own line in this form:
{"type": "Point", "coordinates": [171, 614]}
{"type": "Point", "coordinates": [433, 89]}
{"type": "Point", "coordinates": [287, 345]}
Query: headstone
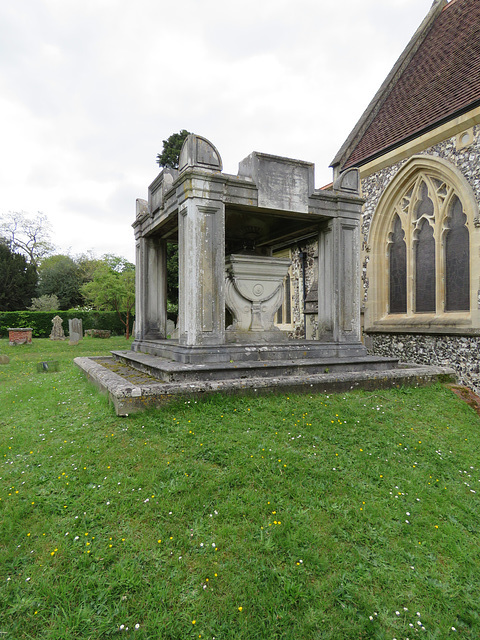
{"type": "Point", "coordinates": [74, 338]}
{"type": "Point", "coordinates": [57, 329]}
{"type": "Point", "coordinates": [170, 328]}
{"type": "Point", "coordinates": [75, 325]}
{"type": "Point", "coordinates": [4, 359]}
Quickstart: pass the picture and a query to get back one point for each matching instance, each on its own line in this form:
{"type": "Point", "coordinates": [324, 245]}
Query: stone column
{"type": "Point", "coordinates": [339, 280]}
{"type": "Point", "coordinates": [326, 279]}
{"type": "Point", "coordinates": [349, 279]}
{"type": "Point", "coordinates": [139, 290]}
{"type": "Point", "coordinates": [201, 239]}
{"type": "Point", "coordinates": [151, 289]}
{"type": "Point", "coordinates": [156, 284]}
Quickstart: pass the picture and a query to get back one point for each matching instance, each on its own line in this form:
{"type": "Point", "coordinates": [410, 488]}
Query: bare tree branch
{"type": "Point", "coordinates": [29, 236]}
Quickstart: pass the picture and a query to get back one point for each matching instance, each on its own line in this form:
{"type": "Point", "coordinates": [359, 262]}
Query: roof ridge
{"type": "Point", "coordinates": [450, 2]}
{"type": "Point", "coordinates": [439, 80]}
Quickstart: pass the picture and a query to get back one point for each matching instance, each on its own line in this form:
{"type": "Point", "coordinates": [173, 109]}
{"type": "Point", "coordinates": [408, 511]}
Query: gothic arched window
{"type": "Point", "coordinates": [421, 237]}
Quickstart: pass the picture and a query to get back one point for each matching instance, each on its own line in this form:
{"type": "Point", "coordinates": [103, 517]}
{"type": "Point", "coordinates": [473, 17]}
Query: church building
{"type": "Point", "coordinates": [417, 147]}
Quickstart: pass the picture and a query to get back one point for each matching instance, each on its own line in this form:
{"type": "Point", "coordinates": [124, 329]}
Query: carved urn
{"type": "Point", "coordinates": [253, 293]}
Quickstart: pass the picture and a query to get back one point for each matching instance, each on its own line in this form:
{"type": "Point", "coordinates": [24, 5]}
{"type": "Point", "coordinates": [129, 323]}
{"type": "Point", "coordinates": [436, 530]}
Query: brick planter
{"type": "Point", "coordinates": [20, 336]}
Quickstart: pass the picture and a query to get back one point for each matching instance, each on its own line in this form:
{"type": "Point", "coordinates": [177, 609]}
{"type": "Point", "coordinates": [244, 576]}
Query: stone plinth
{"type": "Point", "coordinates": [20, 336]}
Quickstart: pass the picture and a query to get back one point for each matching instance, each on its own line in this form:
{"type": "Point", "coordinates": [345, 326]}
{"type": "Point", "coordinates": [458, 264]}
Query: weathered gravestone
{"type": "Point", "coordinates": [170, 328]}
{"type": "Point", "coordinates": [57, 329]}
{"type": "Point", "coordinates": [75, 328]}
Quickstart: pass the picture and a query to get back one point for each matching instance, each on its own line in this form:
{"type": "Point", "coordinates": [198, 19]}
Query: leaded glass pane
{"type": "Point", "coordinates": [425, 300]}
{"type": "Point", "coordinates": [398, 269]}
{"type": "Point", "coordinates": [457, 260]}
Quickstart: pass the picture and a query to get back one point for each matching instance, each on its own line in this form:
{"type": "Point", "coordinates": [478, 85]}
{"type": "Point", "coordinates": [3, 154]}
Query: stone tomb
{"type": "Point", "coordinates": [227, 228]}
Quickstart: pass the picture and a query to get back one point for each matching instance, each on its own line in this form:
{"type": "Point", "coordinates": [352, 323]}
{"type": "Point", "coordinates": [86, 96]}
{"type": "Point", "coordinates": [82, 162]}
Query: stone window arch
{"type": "Point", "coordinates": [422, 239]}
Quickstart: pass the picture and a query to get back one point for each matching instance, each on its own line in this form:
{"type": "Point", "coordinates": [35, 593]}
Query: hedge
{"type": "Point", "coordinates": [41, 321]}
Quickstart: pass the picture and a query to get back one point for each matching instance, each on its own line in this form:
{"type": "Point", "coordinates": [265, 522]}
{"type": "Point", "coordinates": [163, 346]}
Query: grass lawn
{"type": "Point", "coordinates": [293, 517]}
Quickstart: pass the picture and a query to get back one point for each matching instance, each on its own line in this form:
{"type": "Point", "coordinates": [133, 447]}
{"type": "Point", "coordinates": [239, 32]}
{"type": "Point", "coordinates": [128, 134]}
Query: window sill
{"type": "Point", "coordinates": [448, 324]}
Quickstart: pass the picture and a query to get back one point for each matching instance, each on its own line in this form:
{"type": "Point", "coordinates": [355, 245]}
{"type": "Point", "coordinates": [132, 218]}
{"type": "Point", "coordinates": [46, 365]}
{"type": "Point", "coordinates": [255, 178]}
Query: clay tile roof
{"type": "Point", "coordinates": [441, 80]}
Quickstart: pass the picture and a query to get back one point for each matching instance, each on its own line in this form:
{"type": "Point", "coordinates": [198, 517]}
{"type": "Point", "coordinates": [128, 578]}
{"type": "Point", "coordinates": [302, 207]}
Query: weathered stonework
{"type": "Point", "coordinates": [465, 159]}
{"type": "Point", "coordinates": [459, 352]}
{"type": "Point", "coordinates": [233, 233]}
{"type": "Point", "coordinates": [303, 270]}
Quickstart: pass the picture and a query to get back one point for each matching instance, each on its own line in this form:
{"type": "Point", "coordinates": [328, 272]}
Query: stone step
{"type": "Point", "coordinates": [169, 371]}
{"type": "Point", "coordinates": [130, 394]}
{"type": "Point", "coordinates": [240, 352]}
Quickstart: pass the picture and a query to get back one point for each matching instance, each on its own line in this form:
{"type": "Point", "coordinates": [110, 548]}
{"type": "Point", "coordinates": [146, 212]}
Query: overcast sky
{"type": "Point", "coordinates": [90, 88]}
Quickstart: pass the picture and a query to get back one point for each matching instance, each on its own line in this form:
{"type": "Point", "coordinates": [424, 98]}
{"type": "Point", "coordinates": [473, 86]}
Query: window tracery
{"type": "Point", "coordinates": [428, 237]}
{"type": "Point", "coordinates": [422, 239]}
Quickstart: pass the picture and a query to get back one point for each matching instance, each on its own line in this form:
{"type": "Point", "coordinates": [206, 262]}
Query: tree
{"type": "Point", "coordinates": [59, 275]}
{"type": "Point", "coordinates": [29, 236]}
{"type": "Point", "coordinates": [18, 279]}
{"type": "Point", "coordinates": [45, 303]}
{"type": "Point", "coordinates": [87, 265]}
{"type": "Point", "coordinates": [171, 149]}
{"type": "Point", "coordinates": [113, 288]}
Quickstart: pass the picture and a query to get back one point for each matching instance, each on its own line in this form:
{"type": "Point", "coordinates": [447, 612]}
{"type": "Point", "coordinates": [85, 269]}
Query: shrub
{"type": "Point", "coordinates": [45, 303]}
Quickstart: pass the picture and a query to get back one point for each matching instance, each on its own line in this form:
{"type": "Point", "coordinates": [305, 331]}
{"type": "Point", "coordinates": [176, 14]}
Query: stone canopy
{"type": "Point", "coordinates": [227, 228]}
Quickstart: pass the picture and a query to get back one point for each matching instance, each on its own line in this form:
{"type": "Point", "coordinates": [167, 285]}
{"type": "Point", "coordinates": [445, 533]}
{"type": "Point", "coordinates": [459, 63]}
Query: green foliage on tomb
{"type": "Point", "coordinates": [172, 276]}
{"type": "Point", "coordinates": [280, 517]}
{"type": "Point", "coordinates": [171, 150]}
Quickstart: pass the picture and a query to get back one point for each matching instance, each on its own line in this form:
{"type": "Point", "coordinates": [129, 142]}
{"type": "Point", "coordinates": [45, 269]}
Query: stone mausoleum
{"type": "Point", "coordinates": [230, 282]}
